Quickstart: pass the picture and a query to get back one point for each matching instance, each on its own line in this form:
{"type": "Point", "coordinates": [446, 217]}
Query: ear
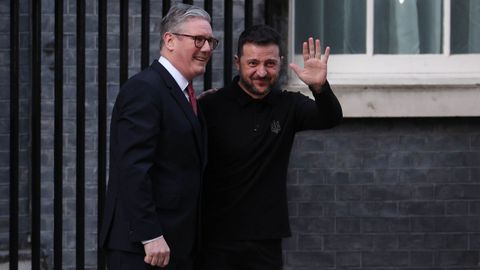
{"type": "Point", "coordinates": [168, 41]}
{"type": "Point", "coordinates": [237, 61]}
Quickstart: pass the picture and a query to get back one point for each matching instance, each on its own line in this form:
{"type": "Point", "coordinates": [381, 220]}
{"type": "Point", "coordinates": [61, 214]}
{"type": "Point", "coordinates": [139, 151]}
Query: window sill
{"type": "Point", "coordinates": [405, 100]}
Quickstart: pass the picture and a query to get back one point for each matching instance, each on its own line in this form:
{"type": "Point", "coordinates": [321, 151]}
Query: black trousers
{"type": "Point", "coordinates": [122, 260]}
{"type": "Point", "coordinates": [241, 255]}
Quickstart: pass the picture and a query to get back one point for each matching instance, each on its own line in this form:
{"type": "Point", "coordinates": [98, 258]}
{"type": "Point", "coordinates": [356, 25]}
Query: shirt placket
{"type": "Point", "coordinates": [259, 118]}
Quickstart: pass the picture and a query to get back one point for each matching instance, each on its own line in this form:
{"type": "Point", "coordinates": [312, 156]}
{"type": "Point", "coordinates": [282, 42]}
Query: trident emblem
{"type": "Point", "coordinates": [275, 126]}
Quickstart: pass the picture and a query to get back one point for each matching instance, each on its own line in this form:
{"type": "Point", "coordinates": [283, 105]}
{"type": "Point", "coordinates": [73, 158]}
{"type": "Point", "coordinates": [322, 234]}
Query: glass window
{"type": "Point", "coordinates": [338, 23]}
{"type": "Point", "coordinates": [465, 25]}
{"type": "Point", "coordinates": [399, 26]}
{"type": "Point", "coordinates": [408, 26]}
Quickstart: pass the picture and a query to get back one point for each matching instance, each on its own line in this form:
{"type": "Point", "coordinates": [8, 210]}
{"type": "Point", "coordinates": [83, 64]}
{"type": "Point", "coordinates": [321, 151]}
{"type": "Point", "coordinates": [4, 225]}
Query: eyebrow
{"type": "Point", "coordinates": [266, 60]}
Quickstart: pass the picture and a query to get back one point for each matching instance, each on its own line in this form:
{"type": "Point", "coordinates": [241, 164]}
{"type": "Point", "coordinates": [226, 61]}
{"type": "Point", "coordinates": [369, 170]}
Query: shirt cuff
{"type": "Point", "coordinates": [325, 88]}
{"type": "Point", "coordinates": [151, 240]}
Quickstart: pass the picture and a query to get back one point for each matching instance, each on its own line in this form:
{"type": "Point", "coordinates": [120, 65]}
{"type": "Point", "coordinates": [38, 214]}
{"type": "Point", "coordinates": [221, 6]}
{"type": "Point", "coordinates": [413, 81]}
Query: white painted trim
{"type": "Point", "coordinates": [370, 27]}
{"type": "Point", "coordinates": [405, 101]}
{"type": "Point", "coordinates": [291, 31]}
{"type": "Point", "coordinates": [446, 26]}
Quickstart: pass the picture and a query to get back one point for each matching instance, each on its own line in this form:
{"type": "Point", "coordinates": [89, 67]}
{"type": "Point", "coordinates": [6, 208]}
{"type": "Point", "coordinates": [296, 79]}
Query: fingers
{"type": "Point", "coordinates": [150, 259]}
{"type": "Point", "coordinates": [160, 259]}
{"type": "Point", "coordinates": [206, 93]}
{"type": "Point", "coordinates": [326, 55]}
{"type": "Point", "coordinates": [318, 49]}
{"type": "Point", "coordinates": [313, 49]}
{"type": "Point", "coordinates": [166, 260]}
{"type": "Point", "coordinates": [157, 253]}
{"type": "Point", "coordinates": [305, 52]}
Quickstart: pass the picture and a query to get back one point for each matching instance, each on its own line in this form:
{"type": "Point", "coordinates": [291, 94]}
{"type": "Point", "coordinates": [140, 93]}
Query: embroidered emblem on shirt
{"type": "Point", "coordinates": [275, 126]}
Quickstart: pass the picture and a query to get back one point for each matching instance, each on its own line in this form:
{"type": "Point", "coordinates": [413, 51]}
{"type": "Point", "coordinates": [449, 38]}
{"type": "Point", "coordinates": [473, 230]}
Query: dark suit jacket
{"type": "Point", "coordinates": [157, 158]}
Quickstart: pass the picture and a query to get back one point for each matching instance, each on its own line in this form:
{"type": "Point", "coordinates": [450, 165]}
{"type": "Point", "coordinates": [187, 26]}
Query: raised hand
{"type": "Point", "coordinates": [314, 72]}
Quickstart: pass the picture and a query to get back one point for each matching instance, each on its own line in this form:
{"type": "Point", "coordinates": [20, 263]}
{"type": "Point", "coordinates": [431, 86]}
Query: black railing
{"type": "Point", "coordinates": [35, 148]}
{"type": "Point", "coordinates": [36, 84]}
{"type": "Point", "coordinates": [207, 82]}
{"type": "Point", "coordinates": [14, 133]}
{"type": "Point", "coordinates": [58, 139]}
{"type": "Point", "coordinates": [145, 57]}
{"type": "Point", "coordinates": [227, 47]}
{"type": "Point", "coordinates": [80, 138]}
{"type": "Point", "coordinates": [102, 120]}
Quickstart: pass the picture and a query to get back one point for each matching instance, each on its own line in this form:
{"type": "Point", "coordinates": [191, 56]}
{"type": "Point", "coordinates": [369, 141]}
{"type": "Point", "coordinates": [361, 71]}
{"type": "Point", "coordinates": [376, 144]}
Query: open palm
{"type": "Point", "coordinates": [314, 71]}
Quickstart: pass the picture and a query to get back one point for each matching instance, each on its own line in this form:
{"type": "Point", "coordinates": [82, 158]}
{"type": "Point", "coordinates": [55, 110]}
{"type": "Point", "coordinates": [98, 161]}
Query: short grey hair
{"type": "Point", "coordinates": [177, 15]}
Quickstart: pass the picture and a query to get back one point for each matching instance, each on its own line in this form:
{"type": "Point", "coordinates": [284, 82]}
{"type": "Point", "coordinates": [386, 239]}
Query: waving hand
{"type": "Point", "coordinates": [314, 72]}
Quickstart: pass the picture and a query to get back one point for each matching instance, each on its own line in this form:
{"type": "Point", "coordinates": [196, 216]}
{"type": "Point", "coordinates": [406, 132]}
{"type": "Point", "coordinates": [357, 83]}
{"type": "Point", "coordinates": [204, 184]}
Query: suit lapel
{"type": "Point", "coordinates": [183, 103]}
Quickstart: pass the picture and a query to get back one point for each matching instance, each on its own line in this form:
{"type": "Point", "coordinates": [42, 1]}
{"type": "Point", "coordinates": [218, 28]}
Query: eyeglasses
{"type": "Point", "coordinates": [200, 40]}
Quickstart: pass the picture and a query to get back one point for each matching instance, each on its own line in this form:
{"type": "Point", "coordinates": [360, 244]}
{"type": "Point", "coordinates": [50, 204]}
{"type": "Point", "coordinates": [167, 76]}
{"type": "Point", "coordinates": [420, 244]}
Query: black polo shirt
{"type": "Point", "coordinates": [249, 146]}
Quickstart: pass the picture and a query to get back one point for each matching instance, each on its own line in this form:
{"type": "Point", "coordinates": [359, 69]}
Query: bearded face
{"type": "Point", "coordinates": [259, 68]}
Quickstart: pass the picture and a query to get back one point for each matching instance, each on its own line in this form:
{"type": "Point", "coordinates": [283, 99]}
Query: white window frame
{"type": "Point", "coordinates": [404, 69]}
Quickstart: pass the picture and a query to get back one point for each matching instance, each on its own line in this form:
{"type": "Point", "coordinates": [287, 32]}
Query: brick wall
{"type": "Point", "coordinates": [386, 194]}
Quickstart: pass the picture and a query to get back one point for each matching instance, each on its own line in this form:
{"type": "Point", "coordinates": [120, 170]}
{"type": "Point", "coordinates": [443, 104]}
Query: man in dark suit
{"type": "Point", "coordinates": [158, 152]}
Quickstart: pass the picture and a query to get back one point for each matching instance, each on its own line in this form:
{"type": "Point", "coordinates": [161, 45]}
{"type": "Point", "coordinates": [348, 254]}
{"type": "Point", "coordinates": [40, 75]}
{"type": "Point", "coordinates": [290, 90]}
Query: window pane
{"type": "Point", "coordinates": [340, 24]}
{"type": "Point", "coordinates": [465, 25]}
{"type": "Point", "coordinates": [408, 26]}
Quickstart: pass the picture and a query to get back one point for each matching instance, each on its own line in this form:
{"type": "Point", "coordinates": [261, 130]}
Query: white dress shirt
{"type": "Point", "coordinates": [181, 81]}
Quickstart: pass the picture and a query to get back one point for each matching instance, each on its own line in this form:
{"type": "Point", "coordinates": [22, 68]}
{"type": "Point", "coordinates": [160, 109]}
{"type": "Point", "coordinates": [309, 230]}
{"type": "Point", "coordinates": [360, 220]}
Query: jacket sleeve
{"type": "Point", "coordinates": [136, 139]}
{"type": "Point", "coordinates": [322, 113]}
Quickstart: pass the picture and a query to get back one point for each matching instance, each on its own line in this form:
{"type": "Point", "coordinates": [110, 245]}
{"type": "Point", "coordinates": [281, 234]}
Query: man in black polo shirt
{"type": "Point", "coordinates": [251, 127]}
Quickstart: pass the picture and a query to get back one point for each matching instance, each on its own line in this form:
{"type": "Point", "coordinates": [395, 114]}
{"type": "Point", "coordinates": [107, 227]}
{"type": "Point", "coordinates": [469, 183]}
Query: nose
{"type": "Point", "coordinates": [261, 71]}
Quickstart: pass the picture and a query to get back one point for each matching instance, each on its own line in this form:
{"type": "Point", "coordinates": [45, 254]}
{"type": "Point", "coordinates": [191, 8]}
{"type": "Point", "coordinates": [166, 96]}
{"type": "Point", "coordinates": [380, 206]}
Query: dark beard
{"type": "Point", "coordinates": [252, 90]}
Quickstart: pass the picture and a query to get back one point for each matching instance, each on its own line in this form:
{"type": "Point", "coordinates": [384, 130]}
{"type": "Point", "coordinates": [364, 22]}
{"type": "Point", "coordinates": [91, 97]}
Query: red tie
{"type": "Point", "coordinates": [191, 96]}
